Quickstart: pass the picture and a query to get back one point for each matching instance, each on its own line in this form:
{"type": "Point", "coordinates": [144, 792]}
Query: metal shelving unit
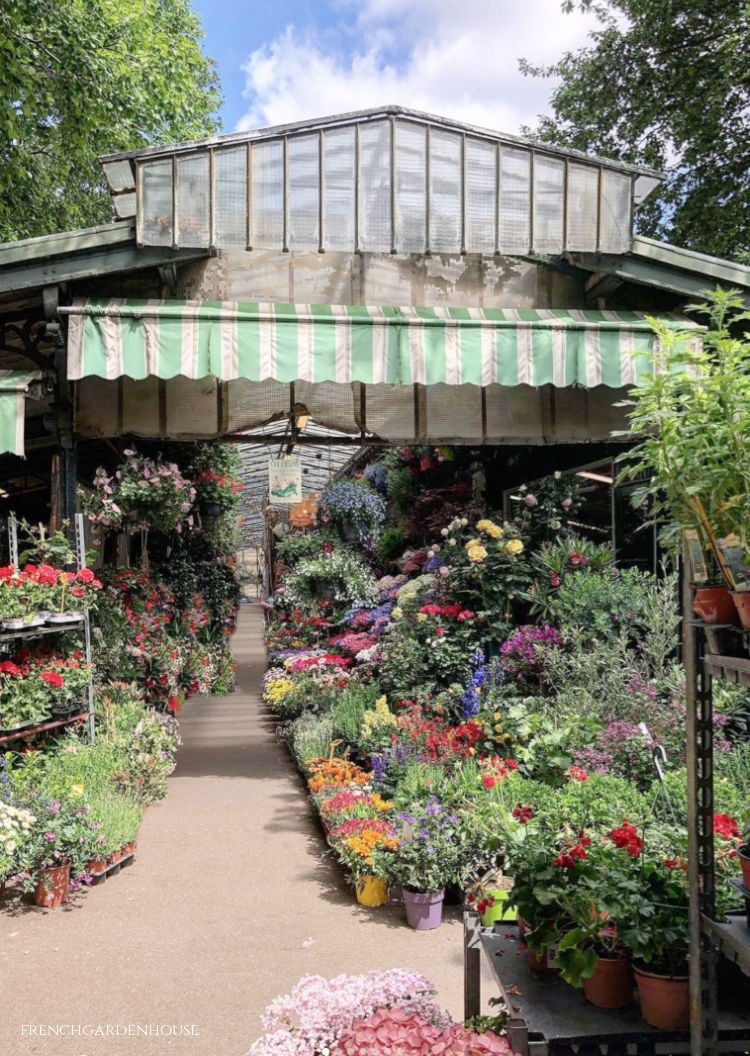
{"type": "Point", "coordinates": [81, 627]}
{"type": "Point", "coordinates": [708, 936]}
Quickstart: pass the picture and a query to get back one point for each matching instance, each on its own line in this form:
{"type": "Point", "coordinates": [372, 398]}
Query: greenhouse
{"type": "Point", "coordinates": [359, 504]}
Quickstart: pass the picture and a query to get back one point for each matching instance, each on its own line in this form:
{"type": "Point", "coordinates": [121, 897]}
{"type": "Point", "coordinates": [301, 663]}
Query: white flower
{"type": "Point", "coordinates": [10, 846]}
{"type": "Point", "coordinates": [451, 542]}
{"type": "Point", "coordinates": [464, 522]}
{"type": "Point", "coordinates": [443, 532]}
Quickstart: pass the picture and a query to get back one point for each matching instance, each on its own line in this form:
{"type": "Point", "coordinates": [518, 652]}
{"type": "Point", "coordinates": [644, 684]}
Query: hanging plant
{"type": "Point", "coordinates": [144, 493]}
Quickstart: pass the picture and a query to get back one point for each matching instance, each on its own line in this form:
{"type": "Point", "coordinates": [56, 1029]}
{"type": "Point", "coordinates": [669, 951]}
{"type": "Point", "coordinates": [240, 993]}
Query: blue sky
{"type": "Point", "coordinates": [297, 59]}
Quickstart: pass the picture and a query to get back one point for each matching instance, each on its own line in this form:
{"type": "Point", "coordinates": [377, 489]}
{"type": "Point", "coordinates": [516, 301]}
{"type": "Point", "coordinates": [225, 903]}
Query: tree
{"type": "Point", "coordinates": [666, 83]}
{"type": "Point", "coordinates": [80, 78]}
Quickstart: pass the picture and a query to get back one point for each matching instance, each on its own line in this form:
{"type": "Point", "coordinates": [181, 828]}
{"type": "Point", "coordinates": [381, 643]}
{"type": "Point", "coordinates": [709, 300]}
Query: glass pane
{"type": "Point", "coordinates": [268, 195]}
{"type": "Point", "coordinates": [231, 197]}
{"type": "Point", "coordinates": [156, 203]}
{"type": "Point", "coordinates": [515, 199]}
{"type": "Point", "coordinates": [445, 191]}
{"type": "Point", "coordinates": [411, 187]}
{"type": "Point", "coordinates": [375, 187]}
{"type": "Point", "coordinates": [583, 205]}
{"type": "Point", "coordinates": [549, 180]}
{"type": "Point", "coordinates": [304, 192]}
{"type": "Point", "coordinates": [120, 176]}
{"type": "Point", "coordinates": [481, 164]}
{"type": "Point", "coordinates": [615, 235]}
{"type": "Point", "coordinates": [338, 189]}
{"type": "Point", "coordinates": [124, 205]}
{"type": "Point", "coordinates": [192, 200]}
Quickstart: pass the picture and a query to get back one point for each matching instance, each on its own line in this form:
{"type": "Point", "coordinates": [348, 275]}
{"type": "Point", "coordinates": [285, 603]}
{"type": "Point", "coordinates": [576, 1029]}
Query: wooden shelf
{"type": "Point", "coordinates": [730, 668]}
{"type": "Point", "coordinates": [32, 731]}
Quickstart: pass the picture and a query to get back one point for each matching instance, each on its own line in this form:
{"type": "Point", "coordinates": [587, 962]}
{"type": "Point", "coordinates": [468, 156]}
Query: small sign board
{"type": "Point", "coordinates": [284, 481]}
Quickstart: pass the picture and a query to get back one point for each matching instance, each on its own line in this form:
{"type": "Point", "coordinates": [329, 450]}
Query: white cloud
{"type": "Point", "coordinates": [455, 58]}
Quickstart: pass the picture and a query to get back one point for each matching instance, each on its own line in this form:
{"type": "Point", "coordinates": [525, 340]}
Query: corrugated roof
{"type": "Point", "coordinates": [319, 464]}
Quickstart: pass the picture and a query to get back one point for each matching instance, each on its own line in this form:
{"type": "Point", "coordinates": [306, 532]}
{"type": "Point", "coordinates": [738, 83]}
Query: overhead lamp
{"type": "Point", "coordinates": [301, 416]}
{"type": "Point", "coordinates": [588, 475]}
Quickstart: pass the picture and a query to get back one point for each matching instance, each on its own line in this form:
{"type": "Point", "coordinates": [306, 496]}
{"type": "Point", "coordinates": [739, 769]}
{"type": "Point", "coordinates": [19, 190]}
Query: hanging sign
{"type": "Point", "coordinates": [284, 481]}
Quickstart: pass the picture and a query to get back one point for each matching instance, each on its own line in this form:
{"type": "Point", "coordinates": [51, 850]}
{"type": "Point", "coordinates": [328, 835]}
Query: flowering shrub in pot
{"type": "Point", "coordinates": [342, 574]}
{"type": "Point", "coordinates": [16, 825]}
{"type": "Point", "coordinates": [354, 507]}
{"type": "Point", "coordinates": [431, 854]}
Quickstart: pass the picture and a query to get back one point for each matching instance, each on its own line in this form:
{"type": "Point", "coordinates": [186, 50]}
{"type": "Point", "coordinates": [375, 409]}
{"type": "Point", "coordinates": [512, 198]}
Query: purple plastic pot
{"type": "Point", "coordinates": [424, 910]}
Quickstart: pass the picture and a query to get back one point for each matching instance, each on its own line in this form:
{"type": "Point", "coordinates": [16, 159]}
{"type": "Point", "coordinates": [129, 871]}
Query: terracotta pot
{"type": "Point", "coordinates": [52, 886]}
{"type": "Point", "coordinates": [743, 853]}
{"type": "Point", "coordinates": [128, 848]}
{"type": "Point", "coordinates": [371, 890]}
{"type": "Point", "coordinates": [665, 999]}
{"type": "Point", "coordinates": [611, 985]}
{"type": "Point", "coordinates": [714, 605]}
{"type": "Point", "coordinates": [536, 964]}
{"type": "Point", "coordinates": [96, 865]}
{"type": "Point", "coordinates": [741, 601]}
{"type": "Point", "coordinates": [115, 857]}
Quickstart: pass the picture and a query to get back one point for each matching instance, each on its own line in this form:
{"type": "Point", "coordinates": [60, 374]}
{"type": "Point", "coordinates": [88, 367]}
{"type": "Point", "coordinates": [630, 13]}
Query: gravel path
{"type": "Point", "coordinates": [229, 902]}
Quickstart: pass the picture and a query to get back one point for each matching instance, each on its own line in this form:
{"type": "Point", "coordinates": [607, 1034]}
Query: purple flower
{"type": "Point", "coordinates": [50, 836]}
{"type": "Point", "coordinates": [54, 806]}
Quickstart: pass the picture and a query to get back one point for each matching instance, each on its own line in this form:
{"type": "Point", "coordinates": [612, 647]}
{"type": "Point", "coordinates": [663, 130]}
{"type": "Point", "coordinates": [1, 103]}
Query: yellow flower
{"type": "Point", "coordinates": [495, 531]}
{"type": "Point", "coordinates": [514, 547]}
{"type": "Point", "coordinates": [77, 790]}
{"type": "Point", "coordinates": [471, 543]}
{"type": "Point", "coordinates": [421, 616]}
{"type": "Point", "coordinates": [476, 553]}
{"type": "Point", "coordinates": [397, 613]}
{"type": "Point", "coordinates": [484, 525]}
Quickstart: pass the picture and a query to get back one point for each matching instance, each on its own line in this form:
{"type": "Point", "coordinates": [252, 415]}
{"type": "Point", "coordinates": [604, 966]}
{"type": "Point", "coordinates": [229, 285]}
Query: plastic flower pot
{"type": "Point", "coordinates": [52, 886]}
{"type": "Point", "coordinates": [96, 866]}
{"type": "Point", "coordinates": [714, 605]}
{"type": "Point", "coordinates": [13, 623]}
{"type": "Point", "coordinates": [741, 601]}
{"type": "Point", "coordinates": [611, 985]}
{"type": "Point", "coordinates": [371, 890]}
{"type": "Point", "coordinates": [743, 853]}
{"type": "Point", "coordinates": [665, 999]}
{"type": "Point", "coordinates": [424, 909]}
{"type": "Point", "coordinates": [500, 910]}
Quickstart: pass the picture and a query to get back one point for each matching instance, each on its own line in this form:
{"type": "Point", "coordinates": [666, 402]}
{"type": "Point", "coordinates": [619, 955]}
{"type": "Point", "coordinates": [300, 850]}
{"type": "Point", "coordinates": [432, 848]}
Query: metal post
{"type": "Point", "coordinates": [13, 539]}
{"type": "Point", "coordinates": [703, 1014]}
{"type": "Point", "coordinates": [80, 545]}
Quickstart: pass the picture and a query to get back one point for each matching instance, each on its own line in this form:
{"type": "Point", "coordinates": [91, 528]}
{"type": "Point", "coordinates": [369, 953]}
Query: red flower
{"type": "Point", "coordinates": [85, 575]}
{"type": "Point", "coordinates": [626, 836]}
{"type": "Point", "coordinates": [726, 827]}
{"type": "Point", "coordinates": [77, 592]}
{"type": "Point", "coordinates": [7, 667]}
{"type": "Point", "coordinates": [522, 813]}
{"type": "Point", "coordinates": [577, 773]}
{"type": "Point", "coordinates": [53, 679]}
{"type": "Point", "coordinates": [465, 614]}
{"type": "Point", "coordinates": [489, 780]}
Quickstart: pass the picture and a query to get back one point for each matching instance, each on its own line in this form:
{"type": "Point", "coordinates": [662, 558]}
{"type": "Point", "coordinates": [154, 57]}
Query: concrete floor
{"type": "Point", "coordinates": [229, 902]}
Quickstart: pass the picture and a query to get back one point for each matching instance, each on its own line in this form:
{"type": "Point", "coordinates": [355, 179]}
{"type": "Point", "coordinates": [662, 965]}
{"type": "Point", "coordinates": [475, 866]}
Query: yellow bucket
{"type": "Point", "coordinates": [371, 890]}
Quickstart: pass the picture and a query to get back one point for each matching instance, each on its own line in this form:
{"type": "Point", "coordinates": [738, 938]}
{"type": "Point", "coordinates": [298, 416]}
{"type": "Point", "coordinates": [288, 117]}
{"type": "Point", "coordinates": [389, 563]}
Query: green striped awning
{"type": "Point", "coordinates": [347, 343]}
{"type": "Point", "coordinates": [14, 385]}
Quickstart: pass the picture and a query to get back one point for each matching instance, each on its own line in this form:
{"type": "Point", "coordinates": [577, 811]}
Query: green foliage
{"type": "Point", "coordinates": [341, 578]}
{"type": "Point", "coordinates": [391, 544]}
{"type": "Point", "coordinates": [670, 799]}
{"type": "Point", "coordinates": [348, 711]}
{"type": "Point", "coordinates": [294, 548]}
{"type": "Point", "coordinates": [665, 85]}
{"type": "Point", "coordinates": [690, 423]}
{"type": "Point", "coordinates": [89, 77]}
{"type": "Point", "coordinates": [311, 737]}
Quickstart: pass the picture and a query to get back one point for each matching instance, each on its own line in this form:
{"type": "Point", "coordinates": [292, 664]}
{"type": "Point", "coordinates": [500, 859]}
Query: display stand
{"type": "Point", "coordinates": [80, 627]}
{"type": "Point", "coordinates": [708, 936]}
{"type": "Point", "coordinates": [548, 1017]}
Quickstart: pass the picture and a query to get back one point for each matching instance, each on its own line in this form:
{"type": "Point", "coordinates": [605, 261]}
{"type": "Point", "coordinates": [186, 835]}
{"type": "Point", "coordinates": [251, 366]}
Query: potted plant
{"type": "Point", "coordinates": [367, 853]}
{"type": "Point", "coordinates": [354, 508]}
{"type": "Point", "coordinates": [16, 824]}
{"type": "Point", "coordinates": [591, 953]}
{"type": "Point", "coordinates": [143, 493]}
{"type": "Point", "coordinates": [25, 696]}
{"type": "Point", "coordinates": [655, 931]}
{"type": "Point", "coordinates": [430, 856]}
{"type": "Point", "coordinates": [490, 896]}
{"type": "Point", "coordinates": [690, 420]}
{"type": "Point", "coordinates": [60, 845]}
